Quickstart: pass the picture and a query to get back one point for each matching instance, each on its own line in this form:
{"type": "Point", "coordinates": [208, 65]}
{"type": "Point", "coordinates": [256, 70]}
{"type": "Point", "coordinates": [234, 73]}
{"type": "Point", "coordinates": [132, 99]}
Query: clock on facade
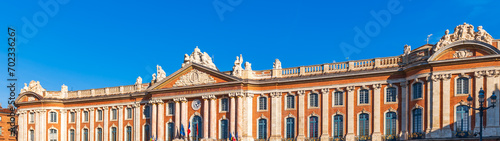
{"type": "Point", "coordinates": [196, 104]}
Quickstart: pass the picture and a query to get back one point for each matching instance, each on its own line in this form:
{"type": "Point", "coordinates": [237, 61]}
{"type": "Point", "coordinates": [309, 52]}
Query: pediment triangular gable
{"type": "Point", "coordinates": [193, 75]}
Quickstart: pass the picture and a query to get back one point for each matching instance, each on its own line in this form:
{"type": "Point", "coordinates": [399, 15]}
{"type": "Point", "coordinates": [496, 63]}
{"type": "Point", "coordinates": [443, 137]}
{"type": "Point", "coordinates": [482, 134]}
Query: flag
{"type": "Point", "coordinates": [236, 135]}
{"type": "Point", "coordinates": [197, 131]}
{"type": "Point", "coordinates": [230, 136]}
{"type": "Point", "coordinates": [189, 128]}
{"type": "Point", "coordinates": [182, 130]}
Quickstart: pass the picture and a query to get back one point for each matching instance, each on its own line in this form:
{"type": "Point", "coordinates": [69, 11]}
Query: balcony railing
{"type": "Point", "coordinates": [417, 135]}
{"type": "Point", "coordinates": [363, 138]}
{"type": "Point", "coordinates": [390, 137]}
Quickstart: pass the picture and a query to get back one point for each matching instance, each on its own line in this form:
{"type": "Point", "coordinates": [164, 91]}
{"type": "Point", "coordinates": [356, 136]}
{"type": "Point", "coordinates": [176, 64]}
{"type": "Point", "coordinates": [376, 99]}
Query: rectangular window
{"type": "Point", "coordinates": [313, 100]}
{"type": "Point", "coordinates": [147, 111]}
{"type": "Point", "coordinates": [171, 108]}
{"type": "Point", "coordinates": [339, 98]}
{"type": "Point", "coordinates": [338, 126]}
{"type": "Point", "coordinates": [72, 116]}
{"type": "Point", "coordinates": [53, 116]}
{"type": "Point", "coordinates": [71, 135]}
{"type": "Point", "coordinates": [129, 113]}
{"type": "Point", "coordinates": [417, 90]}
{"type": "Point", "coordinates": [170, 135]}
{"type": "Point", "coordinates": [32, 135]}
{"type": "Point", "coordinates": [290, 102]}
{"type": "Point", "coordinates": [113, 133]}
{"type": "Point", "coordinates": [128, 137]}
{"type": "Point", "coordinates": [224, 105]}
{"type": "Point", "coordinates": [391, 94]}
{"type": "Point", "coordinates": [85, 116]}
{"type": "Point", "coordinates": [113, 114]}
{"type": "Point", "coordinates": [262, 103]}
{"type": "Point", "coordinates": [364, 97]}
{"type": "Point", "coordinates": [52, 135]}
{"type": "Point", "coordinates": [290, 127]}
{"type": "Point", "coordinates": [224, 129]}
{"type": "Point", "coordinates": [99, 115]}
{"type": "Point", "coordinates": [32, 117]}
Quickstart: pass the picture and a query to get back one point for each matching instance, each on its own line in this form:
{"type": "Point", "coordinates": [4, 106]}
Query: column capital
{"type": "Point", "coordinates": [377, 86]}
{"type": "Point", "coordinates": [249, 95]}
{"type": "Point", "coordinates": [492, 73]}
{"type": "Point", "coordinates": [231, 95]}
{"type": "Point", "coordinates": [301, 92]}
{"type": "Point", "coordinates": [205, 97]}
{"type": "Point", "coordinates": [403, 84]}
{"type": "Point", "coordinates": [436, 77]}
{"type": "Point", "coordinates": [275, 94]}
{"type": "Point", "coordinates": [63, 111]}
{"type": "Point", "coordinates": [350, 88]}
{"type": "Point", "coordinates": [446, 76]}
{"type": "Point", "coordinates": [240, 94]}
{"type": "Point", "coordinates": [120, 107]}
{"type": "Point", "coordinates": [325, 90]}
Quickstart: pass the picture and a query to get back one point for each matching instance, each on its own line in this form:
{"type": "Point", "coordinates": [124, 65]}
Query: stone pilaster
{"type": "Point", "coordinates": [232, 113]}
{"type": "Point", "coordinates": [404, 111]}
{"type": "Point", "coordinates": [153, 117]}
{"type": "Point", "coordinates": [492, 114]}
{"type": "Point", "coordinates": [479, 79]}
{"type": "Point", "coordinates": [120, 123]}
{"type": "Point", "coordinates": [275, 116]}
{"type": "Point", "coordinates": [446, 131]}
{"type": "Point", "coordinates": [37, 126]}
{"type": "Point", "coordinates": [301, 119]}
{"type": "Point", "coordinates": [324, 114]}
{"type": "Point", "coordinates": [20, 124]}
{"type": "Point", "coordinates": [44, 125]}
{"type": "Point", "coordinates": [177, 118]}
{"type": "Point", "coordinates": [184, 114]}
{"type": "Point", "coordinates": [78, 120]}
{"type": "Point", "coordinates": [239, 114]}
{"type": "Point", "coordinates": [428, 100]}
{"type": "Point", "coordinates": [105, 118]}
{"type": "Point", "coordinates": [205, 117]}
{"type": "Point", "coordinates": [91, 122]}
{"type": "Point", "coordinates": [64, 123]}
{"type": "Point", "coordinates": [213, 117]}
{"type": "Point", "coordinates": [161, 120]}
{"type": "Point", "coordinates": [436, 106]}
{"type": "Point", "coordinates": [247, 118]}
{"type": "Point", "coordinates": [377, 135]}
{"type": "Point", "coordinates": [350, 113]}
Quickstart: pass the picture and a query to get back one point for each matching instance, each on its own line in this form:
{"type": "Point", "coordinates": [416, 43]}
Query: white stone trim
{"type": "Point", "coordinates": [167, 108]}
{"type": "Point", "coordinates": [359, 96]}
{"type": "Point", "coordinates": [50, 116]}
{"type": "Point", "coordinates": [111, 114]}
{"type": "Point", "coordinates": [97, 115]}
{"type": "Point", "coordinates": [462, 75]}
{"type": "Point", "coordinates": [309, 124]}
{"type": "Point", "coordinates": [220, 130]}
{"type": "Point", "coordinates": [343, 97]}
{"type": "Point", "coordinates": [369, 121]}
{"type": "Point", "coordinates": [111, 132]}
{"type": "Point", "coordinates": [83, 116]}
{"type": "Point", "coordinates": [417, 80]}
{"type": "Point", "coordinates": [142, 111]}
{"type": "Point", "coordinates": [343, 123]}
{"type": "Point", "coordinates": [397, 120]}
{"type": "Point", "coordinates": [131, 113]}
{"type": "Point", "coordinates": [97, 133]}
{"type": "Point", "coordinates": [390, 85]}
{"type": "Point", "coordinates": [83, 133]}
{"type": "Point", "coordinates": [69, 133]}
{"type": "Point", "coordinates": [294, 101]}
{"type": "Point", "coordinates": [309, 100]}
{"type": "Point", "coordinates": [143, 133]}
{"type": "Point", "coordinates": [267, 103]}
{"type": "Point", "coordinates": [468, 116]}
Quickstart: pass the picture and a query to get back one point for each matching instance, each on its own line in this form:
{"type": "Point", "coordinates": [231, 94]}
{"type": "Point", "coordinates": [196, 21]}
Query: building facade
{"type": "Point", "coordinates": [419, 94]}
{"type": "Point", "coordinates": [5, 124]}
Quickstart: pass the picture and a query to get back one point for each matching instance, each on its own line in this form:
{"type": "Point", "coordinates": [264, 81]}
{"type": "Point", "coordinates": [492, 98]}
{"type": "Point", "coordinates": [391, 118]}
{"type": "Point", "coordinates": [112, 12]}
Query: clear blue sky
{"type": "Point", "coordinates": [94, 43]}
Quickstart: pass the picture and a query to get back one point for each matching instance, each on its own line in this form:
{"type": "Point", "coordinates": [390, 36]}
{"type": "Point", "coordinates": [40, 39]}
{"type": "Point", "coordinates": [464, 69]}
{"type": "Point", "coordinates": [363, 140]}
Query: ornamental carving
{"type": "Point", "coordinates": [195, 77]}
{"type": "Point", "coordinates": [237, 69]}
{"type": "Point", "coordinates": [200, 58]}
{"type": "Point", "coordinates": [34, 86]}
{"type": "Point", "coordinates": [462, 53]}
{"type": "Point", "coordinates": [464, 32]}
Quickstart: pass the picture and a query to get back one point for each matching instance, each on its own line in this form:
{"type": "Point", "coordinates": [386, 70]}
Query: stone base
{"type": "Point", "coordinates": [275, 138]}
{"type": "Point", "coordinates": [403, 135]}
{"type": "Point", "coordinates": [446, 133]}
{"type": "Point", "coordinates": [433, 133]}
{"type": "Point", "coordinates": [491, 131]}
{"type": "Point", "coordinates": [301, 138]}
{"type": "Point", "coordinates": [247, 139]}
{"type": "Point", "coordinates": [324, 137]}
{"type": "Point", "coordinates": [377, 136]}
{"type": "Point", "coordinates": [349, 137]}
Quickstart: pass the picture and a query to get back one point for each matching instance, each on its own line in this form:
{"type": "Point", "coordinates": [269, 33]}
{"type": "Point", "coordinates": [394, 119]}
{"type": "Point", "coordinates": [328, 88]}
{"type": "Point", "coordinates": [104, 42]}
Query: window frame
{"type": "Point", "coordinates": [97, 134]}
{"type": "Point", "coordinates": [32, 117]}
{"type": "Point", "coordinates": [359, 123]}
{"type": "Point", "coordinates": [116, 136]}
{"type": "Point", "coordinates": [127, 113]}
{"type": "Point", "coordinates": [309, 99]}
{"type": "Point", "coordinates": [468, 117]}
{"type": "Point", "coordinates": [149, 111]}
{"type": "Point", "coordinates": [342, 126]}
{"type": "Point", "coordinates": [225, 130]}
{"type": "Point", "coordinates": [114, 114]}
{"type": "Point", "coordinates": [396, 127]}
{"type": "Point", "coordinates": [50, 132]}
{"type": "Point", "coordinates": [469, 83]}
{"type": "Point", "coordinates": [293, 128]}
{"type": "Point", "coordinates": [259, 103]}
{"type": "Point", "coordinates": [72, 117]}
{"type": "Point", "coordinates": [85, 116]}
{"type": "Point", "coordinates": [51, 118]}
{"type": "Point", "coordinates": [386, 95]}
{"type": "Point", "coordinates": [168, 106]}
{"type": "Point", "coordinates": [421, 90]}
{"type": "Point", "coordinates": [287, 103]}
{"type": "Point", "coordinates": [99, 114]}
{"type": "Point", "coordinates": [318, 120]}
{"type": "Point", "coordinates": [69, 135]}
{"type": "Point", "coordinates": [266, 136]}
{"type": "Point", "coordinates": [83, 134]}
{"type": "Point", "coordinates": [412, 123]}
{"type": "Point", "coordinates": [222, 108]}
{"type": "Point", "coordinates": [369, 91]}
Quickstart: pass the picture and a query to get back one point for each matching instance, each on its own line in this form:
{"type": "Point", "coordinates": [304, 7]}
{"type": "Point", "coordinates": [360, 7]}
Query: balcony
{"type": "Point", "coordinates": [417, 135]}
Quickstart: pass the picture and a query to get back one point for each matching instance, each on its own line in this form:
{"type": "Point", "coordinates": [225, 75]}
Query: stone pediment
{"type": "Point", "coordinates": [194, 75]}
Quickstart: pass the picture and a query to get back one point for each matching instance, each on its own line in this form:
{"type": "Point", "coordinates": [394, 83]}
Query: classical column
{"type": "Point", "coordinates": [91, 130]}
{"type": "Point", "coordinates": [428, 99]}
{"type": "Point", "coordinates": [37, 126]}
{"type": "Point", "coordinates": [436, 106]}
{"type": "Point", "coordinates": [44, 125]}
{"type": "Point", "coordinates": [324, 114]}
{"type": "Point", "coordinates": [301, 119]}
{"type": "Point", "coordinates": [377, 135]}
{"type": "Point", "coordinates": [120, 122]}
{"type": "Point", "coordinates": [161, 120]}
{"type": "Point", "coordinates": [232, 113]}
{"type": "Point", "coordinates": [153, 117]}
{"type": "Point", "coordinates": [247, 118]}
{"type": "Point", "coordinates": [137, 121]}
{"type": "Point", "coordinates": [275, 116]}
{"type": "Point", "coordinates": [184, 115]}
{"type": "Point", "coordinates": [239, 116]}
{"type": "Point", "coordinates": [492, 114]}
{"type": "Point", "coordinates": [78, 121]}
{"type": "Point", "coordinates": [177, 118]}
{"type": "Point", "coordinates": [213, 117]}
{"type": "Point", "coordinates": [446, 131]}
{"type": "Point", "coordinates": [404, 111]}
{"type": "Point", "coordinates": [205, 117]}
{"type": "Point", "coordinates": [64, 123]}
{"type": "Point", "coordinates": [350, 113]}
{"type": "Point", "coordinates": [20, 124]}
{"type": "Point", "coordinates": [105, 122]}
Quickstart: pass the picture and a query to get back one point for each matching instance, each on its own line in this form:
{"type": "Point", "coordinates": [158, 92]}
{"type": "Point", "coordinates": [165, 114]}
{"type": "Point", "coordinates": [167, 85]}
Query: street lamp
{"type": "Point", "coordinates": [481, 108]}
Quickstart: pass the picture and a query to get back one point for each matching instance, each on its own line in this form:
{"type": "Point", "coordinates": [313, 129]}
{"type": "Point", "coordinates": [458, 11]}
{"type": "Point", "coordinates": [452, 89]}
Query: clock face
{"type": "Point", "coordinates": [196, 104]}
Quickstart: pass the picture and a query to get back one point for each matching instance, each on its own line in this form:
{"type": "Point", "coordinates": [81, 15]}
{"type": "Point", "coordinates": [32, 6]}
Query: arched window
{"type": "Point", "coordinates": [262, 129]}
{"type": "Point", "coordinates": [313, 127]}
{"type": "Point", "coordinates": [224, 105]}
{"type": "Point", "coordinates": [313, 100]}
{"type": "Point", "coordinates": [85, 134]}
{"type": "Point", "coordinates": [391, 94]}
{"type": "Point", "coordinates": [224, 129]}
{"type": "Point", "coordinates": [364, 124]}
{"type": "Point", "coordinates": [462, 118]}
{"type": "Point", "coordinates": [197, 127]}
{"type": "Point", "coordinates": [99, 134]}
{"type": "Point", "coordinates": [417, 120]}
{"type": "Point", "coordinates": [338, 126]}
{"type": "Point", "coordinates": [53, 134]}
{"type": "Point", "coordinates": [390, 123]}
{"type": "Point", "coordinates": [170, 128]}
{"type": "Point", "coordinates": [290, 127]}
{"type": "Point", "coordinates": [262, 103]}
{"type": "Point", "coordinates": [128, 136]}
{"type": "Point", "coordinates": [147, 111]}
{"type": "Point", "coordinates": [113, 134]}
{"type": "Point", "coordinates": [417, 90]}
{"type": "Point", "coordinates": [146, 132]}
{"type": "Point", "coordinates": [463, 85]}
{"type": "Point", "coordinates": [364, 96]}
{"type": "Point", "coordinates": [338, 98]}
{"type": "Point", "coordinates": [290, 101]}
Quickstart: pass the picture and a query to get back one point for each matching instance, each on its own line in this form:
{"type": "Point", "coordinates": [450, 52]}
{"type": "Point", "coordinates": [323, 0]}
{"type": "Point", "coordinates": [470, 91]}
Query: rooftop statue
{"type": "Point", "coordinates": [237, 69]}
{"type": "Point", "coordinates": [464, 32]}
{"type": "Point", "coordinates": [199, 58]}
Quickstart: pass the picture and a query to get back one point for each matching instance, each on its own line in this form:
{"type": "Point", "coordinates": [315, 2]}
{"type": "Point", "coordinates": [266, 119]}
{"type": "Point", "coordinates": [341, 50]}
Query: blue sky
{"type": "Point", "coordinates": [94, 44]}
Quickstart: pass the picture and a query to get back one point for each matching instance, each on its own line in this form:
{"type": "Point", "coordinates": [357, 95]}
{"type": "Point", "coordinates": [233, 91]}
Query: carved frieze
{"type": "Point", "coordinates": [194, 77]}
{"type": "Point", "coordinates": [462, 53]}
